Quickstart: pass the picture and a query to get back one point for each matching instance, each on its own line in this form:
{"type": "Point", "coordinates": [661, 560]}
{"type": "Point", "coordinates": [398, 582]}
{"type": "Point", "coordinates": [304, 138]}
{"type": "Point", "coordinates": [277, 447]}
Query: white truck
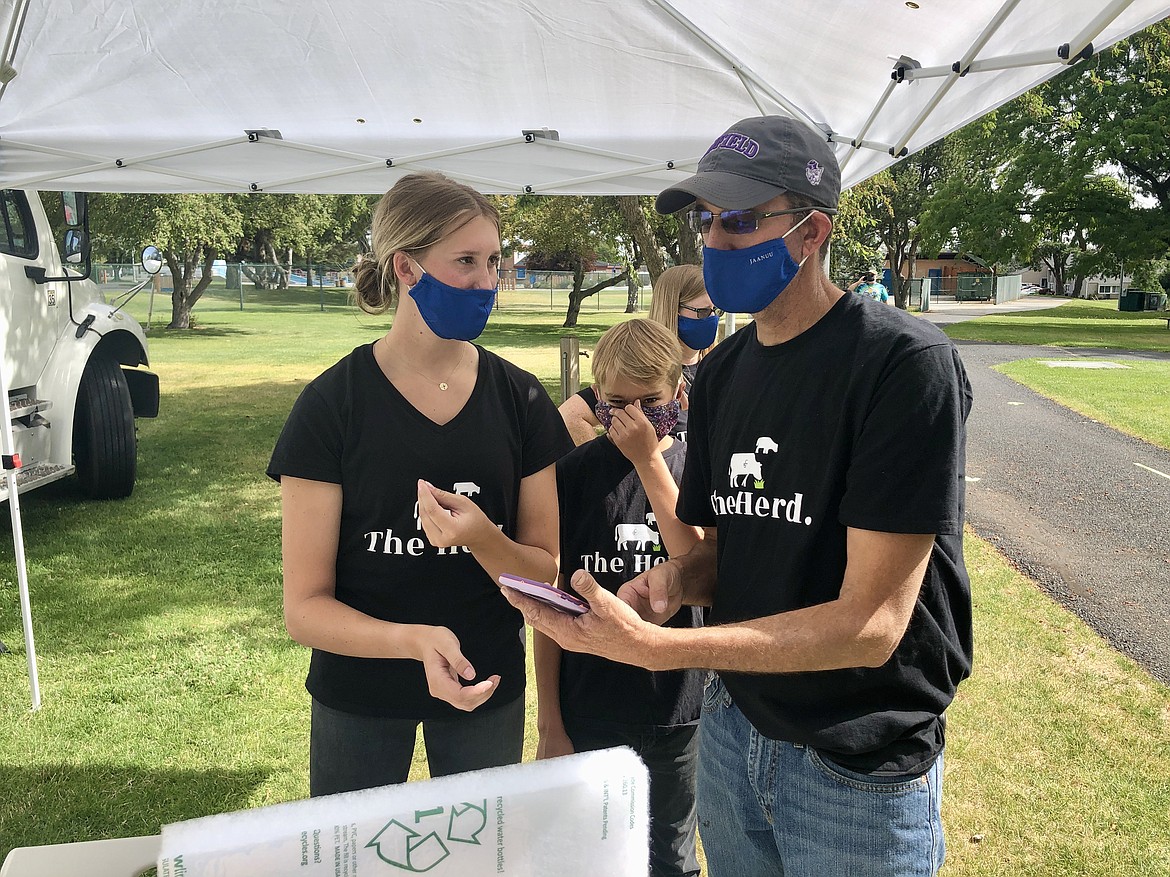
{"type": "Point", "coordinates": [73, 364]}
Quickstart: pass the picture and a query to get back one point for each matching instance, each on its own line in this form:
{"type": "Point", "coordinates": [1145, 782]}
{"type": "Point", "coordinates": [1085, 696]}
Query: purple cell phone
{"type": "Point", "coordinates": [547, 594]}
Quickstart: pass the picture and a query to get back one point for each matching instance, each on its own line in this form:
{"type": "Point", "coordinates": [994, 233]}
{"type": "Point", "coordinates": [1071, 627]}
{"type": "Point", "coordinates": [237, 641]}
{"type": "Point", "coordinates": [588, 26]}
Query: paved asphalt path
{"type": "Point", "coordinates": [1079, 507]}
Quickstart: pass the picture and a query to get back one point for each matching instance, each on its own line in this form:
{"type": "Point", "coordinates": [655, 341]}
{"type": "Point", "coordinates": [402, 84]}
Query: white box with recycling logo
{"type": "Point", "coordinates": [583, 814]}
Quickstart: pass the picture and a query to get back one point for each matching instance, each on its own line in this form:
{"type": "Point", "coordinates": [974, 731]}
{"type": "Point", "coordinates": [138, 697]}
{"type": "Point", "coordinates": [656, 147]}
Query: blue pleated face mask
{"type": "Point", "coordinates": [697, 334]}
{"type": "Point", "coordinates": [450, 312]}
{"type": "Point", "coordinates": [747, 281]}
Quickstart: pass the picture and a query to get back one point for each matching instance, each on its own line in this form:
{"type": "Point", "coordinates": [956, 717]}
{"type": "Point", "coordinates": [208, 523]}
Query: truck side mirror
{"type": "Point", "coordinates": [75, 208]}
{"type": "Point", "coordinates": [152, 260]}
{"type": "Point", "coordinates": [75, 246]}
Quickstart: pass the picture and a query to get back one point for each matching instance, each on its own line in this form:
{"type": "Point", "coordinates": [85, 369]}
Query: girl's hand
{"type": "Point", "coordinates": [445, 666]}
{"type": "Point", "coordinates": [450, 519]}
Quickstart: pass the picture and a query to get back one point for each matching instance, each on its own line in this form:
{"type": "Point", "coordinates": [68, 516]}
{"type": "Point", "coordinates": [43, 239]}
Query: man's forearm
{"type": "Point", "coordinates": [823, 637]}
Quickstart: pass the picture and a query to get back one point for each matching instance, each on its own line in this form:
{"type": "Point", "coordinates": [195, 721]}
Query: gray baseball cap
{"type": "Point", "coordinates": [757, 159]}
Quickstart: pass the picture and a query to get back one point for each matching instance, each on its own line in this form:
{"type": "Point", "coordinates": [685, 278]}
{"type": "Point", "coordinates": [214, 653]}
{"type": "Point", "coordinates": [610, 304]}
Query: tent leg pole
{"type": "Point", "coordinates": [18, 544]}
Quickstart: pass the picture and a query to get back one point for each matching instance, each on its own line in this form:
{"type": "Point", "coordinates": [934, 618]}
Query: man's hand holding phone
{"type": "Point", "coordinates": [560, 600]}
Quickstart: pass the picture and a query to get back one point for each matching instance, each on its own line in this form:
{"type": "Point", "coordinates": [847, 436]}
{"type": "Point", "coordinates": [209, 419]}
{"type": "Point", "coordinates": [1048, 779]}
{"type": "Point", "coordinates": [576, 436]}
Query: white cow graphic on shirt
{"type": "Point", "coordinates": [742, 467]}
{"type": "Point", "coordinates": [640, 534]}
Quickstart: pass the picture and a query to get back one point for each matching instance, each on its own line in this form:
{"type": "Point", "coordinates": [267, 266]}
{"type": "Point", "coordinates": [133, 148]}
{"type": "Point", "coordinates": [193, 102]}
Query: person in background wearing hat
{"type": "Point", "coordinates": [867, 284]}
{"type": "Point", "coordinates": [840, 621]}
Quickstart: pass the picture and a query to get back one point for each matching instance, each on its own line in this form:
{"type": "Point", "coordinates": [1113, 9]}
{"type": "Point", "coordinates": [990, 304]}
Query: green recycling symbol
{"type": "Point", "coordinates": [403, 847]}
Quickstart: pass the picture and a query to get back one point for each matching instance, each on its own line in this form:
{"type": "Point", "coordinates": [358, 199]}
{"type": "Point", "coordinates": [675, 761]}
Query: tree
{"type": "Point", "coordinates": [640, 229]}
{"type": "Point", "coordinates": [1111, 111]}
{"type": "Point", "coordinates": [190, 230]}
{"type": "Point", "coordinates": [568, 232]}
{"type": "Point", "coordinates": [856, 247]}
{"type": "Point", "coordinates": [277, 226]}
{"type": "Point", "coordinates": [1021, 191]}
{"type": "Point", "coordinates": [895, 207]}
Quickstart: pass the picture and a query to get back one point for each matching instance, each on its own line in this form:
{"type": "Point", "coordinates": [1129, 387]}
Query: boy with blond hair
{"type": "Point", "coordinates": [617, 497]}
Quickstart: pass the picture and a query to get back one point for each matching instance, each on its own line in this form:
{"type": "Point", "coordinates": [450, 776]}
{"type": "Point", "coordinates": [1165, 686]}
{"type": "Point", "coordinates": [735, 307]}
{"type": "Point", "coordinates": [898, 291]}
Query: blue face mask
{"type": "Point", "coordinates": [747, 281]}
{"type": "Point", "coordinates": [698, 334]}
{"type": "Point", "coordinates": [450, 312]}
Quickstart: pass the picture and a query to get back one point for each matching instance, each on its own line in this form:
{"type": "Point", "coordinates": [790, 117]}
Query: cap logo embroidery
{"type": "Point", "coordinates": [745, 146]}
{"type": "Point", "coordinates": [813, 171]}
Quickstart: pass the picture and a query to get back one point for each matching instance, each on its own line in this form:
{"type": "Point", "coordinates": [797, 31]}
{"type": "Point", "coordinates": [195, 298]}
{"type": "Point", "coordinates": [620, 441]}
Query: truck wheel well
{"type": "Point", "coordinates": [123, 347]}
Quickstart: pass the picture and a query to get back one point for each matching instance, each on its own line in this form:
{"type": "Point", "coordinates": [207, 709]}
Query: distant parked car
{"type": "Point", "coordinates": [1030, 288]}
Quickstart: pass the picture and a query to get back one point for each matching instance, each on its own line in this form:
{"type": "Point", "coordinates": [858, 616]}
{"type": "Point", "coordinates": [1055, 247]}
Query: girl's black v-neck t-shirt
{"type": "Point", "coordinates": [352, 427]}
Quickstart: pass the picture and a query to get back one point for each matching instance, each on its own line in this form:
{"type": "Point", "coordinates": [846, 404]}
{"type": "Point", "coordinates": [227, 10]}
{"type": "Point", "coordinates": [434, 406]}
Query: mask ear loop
{"type": "Point", "coordinates": [422, 272]}
{"type": "Point", "coordinates": [799, 264]}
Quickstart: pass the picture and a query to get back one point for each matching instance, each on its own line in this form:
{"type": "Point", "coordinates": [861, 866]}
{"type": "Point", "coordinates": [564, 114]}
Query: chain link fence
{"type": "Point", "coordinates": [254, 284]}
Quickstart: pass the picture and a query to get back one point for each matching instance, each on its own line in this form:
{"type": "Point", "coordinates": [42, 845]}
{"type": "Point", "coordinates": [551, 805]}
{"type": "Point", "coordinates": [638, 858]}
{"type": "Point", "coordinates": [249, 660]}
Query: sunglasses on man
{"type": "Point", "coordinates": [733, 221]}
{"type": "Point", "coordinates": [702, 313]}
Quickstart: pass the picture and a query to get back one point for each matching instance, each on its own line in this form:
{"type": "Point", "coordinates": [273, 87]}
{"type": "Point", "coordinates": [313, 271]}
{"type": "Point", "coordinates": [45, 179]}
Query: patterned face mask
{"type": "Point", "coordinates": [662, 417]}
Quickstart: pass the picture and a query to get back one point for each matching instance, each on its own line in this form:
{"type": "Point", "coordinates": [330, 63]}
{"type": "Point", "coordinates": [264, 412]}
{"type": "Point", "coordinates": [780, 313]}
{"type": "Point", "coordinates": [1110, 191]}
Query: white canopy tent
{"type": "Point", "coordinates": [623, 97]}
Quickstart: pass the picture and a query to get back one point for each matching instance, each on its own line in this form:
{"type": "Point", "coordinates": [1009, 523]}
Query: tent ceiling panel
{"type": "Point", "coordinates": [635, 90]}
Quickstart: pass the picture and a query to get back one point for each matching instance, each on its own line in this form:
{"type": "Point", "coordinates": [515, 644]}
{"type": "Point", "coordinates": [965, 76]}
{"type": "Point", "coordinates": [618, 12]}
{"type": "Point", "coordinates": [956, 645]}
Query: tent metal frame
{"type": "Point", "coordinates": [758, 89]}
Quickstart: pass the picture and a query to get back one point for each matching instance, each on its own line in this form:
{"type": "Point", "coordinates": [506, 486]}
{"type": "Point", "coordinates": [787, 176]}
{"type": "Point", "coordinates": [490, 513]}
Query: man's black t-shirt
{"type": "Point", "coordinates": [352, 427]}
{"type": "Point", "coordinates": [608, 529]}
{"type": "Point", "coordinates": [589, 397]}
{"type": "Point", "coordinates": [857, 422]}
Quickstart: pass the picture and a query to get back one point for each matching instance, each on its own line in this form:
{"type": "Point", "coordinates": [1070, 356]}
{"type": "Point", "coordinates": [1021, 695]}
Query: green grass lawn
{"type": "Point", "coordinates": [1134, 400]}
{"type": "Point", "coordinates": [172, 691]}
{"type": "Point", "coordinates": [1075, 324]}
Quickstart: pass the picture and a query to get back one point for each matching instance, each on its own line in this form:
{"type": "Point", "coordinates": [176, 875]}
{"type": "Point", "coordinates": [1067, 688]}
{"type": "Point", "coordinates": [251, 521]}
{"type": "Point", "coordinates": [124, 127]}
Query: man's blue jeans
{"type": "Point", "coordinates": [767, 807]}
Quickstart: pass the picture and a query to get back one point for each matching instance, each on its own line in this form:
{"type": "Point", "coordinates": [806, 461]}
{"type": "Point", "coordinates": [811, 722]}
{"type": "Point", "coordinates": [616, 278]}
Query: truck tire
{"type": "Point", "coordinates": [105, 448]}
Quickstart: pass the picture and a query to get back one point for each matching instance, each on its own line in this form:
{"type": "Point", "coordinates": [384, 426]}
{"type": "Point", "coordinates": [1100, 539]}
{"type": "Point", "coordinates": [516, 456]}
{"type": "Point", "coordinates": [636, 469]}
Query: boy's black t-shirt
{"type": "Point", "coordinates": [352, 427]}
{"type": "Point", "coordinates": [589, 397]}
{"type": "Point", "coordinates": [606, 531]}
{"type": "Point", "coordinates": [857, 422]}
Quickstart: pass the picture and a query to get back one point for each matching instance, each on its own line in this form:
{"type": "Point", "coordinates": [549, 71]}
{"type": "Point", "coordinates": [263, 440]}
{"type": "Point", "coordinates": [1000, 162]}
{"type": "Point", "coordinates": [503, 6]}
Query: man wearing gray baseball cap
{"type": "Point", "coordinates": [840, 621]}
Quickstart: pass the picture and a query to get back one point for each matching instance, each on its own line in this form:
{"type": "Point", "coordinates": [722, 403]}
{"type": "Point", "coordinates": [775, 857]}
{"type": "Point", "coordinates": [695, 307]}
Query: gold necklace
{"type": "Point", "coordinates": [443, 385]}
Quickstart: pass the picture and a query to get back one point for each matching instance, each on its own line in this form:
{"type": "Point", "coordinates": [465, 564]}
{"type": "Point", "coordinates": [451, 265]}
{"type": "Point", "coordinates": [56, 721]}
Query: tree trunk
{"type": "Point", "coordinates": [911, 262]}
{"type": "Point", "coordinates": [180, 286]}
{"type": "Point", "coordinates": [233, 279]}
{"type": "Point", "coordinates": [633, 287]}
{"type": "Point", "coordinates": [638, 227]}
{"type": "Point", "coordinates": [184, 296]}
{"type": "Point", "coordinates": [896, 256]}
{"type": "Point", "coordinates": [578, 295]}
{"type": "Point", "coordinates": [1057, 266]}
{"type": "Point", "coordinates": [204, 281]}
{"type": "Point", "coordinates": [285, 269]}
{"type": "Point", "coordinates": [689, 251]}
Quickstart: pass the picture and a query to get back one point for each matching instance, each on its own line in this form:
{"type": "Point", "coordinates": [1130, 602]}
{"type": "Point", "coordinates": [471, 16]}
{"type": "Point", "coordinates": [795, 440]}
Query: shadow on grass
{"type": "Point", "coordinates": [504, 332]}
{"type": "Point", "coordinates": [294, 297]}
{"type": "Point", "coordinates": [200, 533]}
{"type": "Point", "coordinates": [64, 803]}
{"type": "Point", "coordinates": [159, 332]}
